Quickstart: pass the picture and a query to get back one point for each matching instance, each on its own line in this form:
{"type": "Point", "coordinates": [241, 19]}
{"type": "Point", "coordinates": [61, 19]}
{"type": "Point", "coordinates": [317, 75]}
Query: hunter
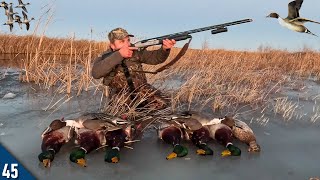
{"type": "Point", "coordinates": [121, 65]}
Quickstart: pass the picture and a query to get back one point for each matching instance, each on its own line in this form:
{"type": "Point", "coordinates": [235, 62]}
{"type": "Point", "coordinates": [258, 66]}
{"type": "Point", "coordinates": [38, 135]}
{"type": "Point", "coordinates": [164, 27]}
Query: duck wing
{"type": "Point", "coordinates": [300, 21]}
{"type": "Point", "coordinates": [104, 117]}
{"type": "Point", "coordinates": [242, 125]}
{"type": "Point", "coordinates": [293, 9]}
{"type": "Point", "coordinates": [100, 125]}
{"type": "Point", "coordinates": [24, 8]}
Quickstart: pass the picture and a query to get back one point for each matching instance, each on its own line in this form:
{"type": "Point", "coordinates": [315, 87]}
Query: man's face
{"type": "Point", "coordinates": [118, 44]}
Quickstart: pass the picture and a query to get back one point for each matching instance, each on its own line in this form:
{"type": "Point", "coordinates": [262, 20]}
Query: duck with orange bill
{"type": "Point", "coordinates": [179, 128]}
{"type": "Point", "coordinates": [52, 142]}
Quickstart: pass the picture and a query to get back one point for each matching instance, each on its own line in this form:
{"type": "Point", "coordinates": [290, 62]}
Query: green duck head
{"type": "Point", "coordinates": [77, 156]}
{"type": "Point", "coordinates": [204, 150]}
{"type": "Point", "coordinates": [46, 157]}
{"type": "Point", "coordinates": [112, 155]}
{"type": "Point", "coordinates": [231, 151]}
{"type": "Point", "coordinates": [178, 151]}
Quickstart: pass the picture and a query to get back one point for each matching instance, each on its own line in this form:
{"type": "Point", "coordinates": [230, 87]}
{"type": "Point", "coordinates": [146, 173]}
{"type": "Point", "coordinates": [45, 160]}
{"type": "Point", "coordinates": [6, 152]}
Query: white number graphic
{"type": "Point", "coordinates": [14, 171]}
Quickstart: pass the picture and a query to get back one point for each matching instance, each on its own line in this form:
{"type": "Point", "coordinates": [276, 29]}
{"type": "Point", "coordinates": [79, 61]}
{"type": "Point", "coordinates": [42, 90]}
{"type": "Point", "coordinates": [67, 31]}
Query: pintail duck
{"type": "Point", "coordinates": [22, 5]}
{"type": "Point", "coordinates": [11, 13]}
{"type": "Point", "coordinates": [94, 121]}
{"type": "Point", "coordinates": [293, 21]}
{"type": "Point", "coordinates": [26, 21]}
{"type": "Point", "coordinates": [52, 142]}
{"type": "Point", "coordinates": [17, 19]}
{"type": "Point", "coordinates": [3, 4]}
{"type": "Point", "coordinates": [9, 23]}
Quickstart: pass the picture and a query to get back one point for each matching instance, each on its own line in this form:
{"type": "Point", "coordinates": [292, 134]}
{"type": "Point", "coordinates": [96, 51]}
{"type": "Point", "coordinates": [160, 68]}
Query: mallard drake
{"type": "Point", "coordinates": [223, 135]}
{"type": "Point", "coordinates": [219, 130]}
{"type": "Point", "coordinates": [194, 131]}
{"type": "Point", "coordinates": [88, 140]}
{"type": "Point", "coordinates": [179, 128]}
{"type": "Point", "coordinates": [115, 140]}
{"type": "Point", "coordinates": [244, 133]}
{"type": "Point", "coordinates": [52, 142]}
{"type": "Point", "coordinates": [95, 130]}
{"type": "Point", "coordinates": [171, 134]}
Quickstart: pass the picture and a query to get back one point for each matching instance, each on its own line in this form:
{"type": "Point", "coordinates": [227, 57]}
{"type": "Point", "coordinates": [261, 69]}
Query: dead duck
{"type": "Point", "coordinates": [95, 130]}
{"type": "Point", "coordinates": [219, 130]}
{"type": "Point", "coordinates": [88, 140]}
{"type": "Point", "coordinates": [115, 140]}
{"type": "Point", "coordinates": [223, 135]}
{"type": "Point", "coordinates": [244, 133]}
{"type": "Point", "coordinates": [195, 132]}
{"type": "Point", "coordinates": [93, 121]}
{"type": "Point", "coordinates": [179, 128]}
{"type": "Point", "coordinates": [173, 135]}
{"type": "Point", "coordinates": [52, 142]}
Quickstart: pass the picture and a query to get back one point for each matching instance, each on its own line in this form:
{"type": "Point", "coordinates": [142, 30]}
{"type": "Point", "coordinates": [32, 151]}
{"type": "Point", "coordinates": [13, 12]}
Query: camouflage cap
{"type": "Point", "coordinates": [118, 33]}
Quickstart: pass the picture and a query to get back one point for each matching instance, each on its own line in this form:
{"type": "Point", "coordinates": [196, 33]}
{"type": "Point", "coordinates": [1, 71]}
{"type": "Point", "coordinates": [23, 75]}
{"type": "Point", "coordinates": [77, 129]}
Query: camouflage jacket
{"type": "Point", "coordinates": [108, 66]}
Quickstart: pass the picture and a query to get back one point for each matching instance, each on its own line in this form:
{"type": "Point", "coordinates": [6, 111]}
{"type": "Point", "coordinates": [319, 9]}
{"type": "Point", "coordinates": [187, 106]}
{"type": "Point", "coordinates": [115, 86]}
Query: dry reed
{"type": "Point", "coordinates": [221, 79]}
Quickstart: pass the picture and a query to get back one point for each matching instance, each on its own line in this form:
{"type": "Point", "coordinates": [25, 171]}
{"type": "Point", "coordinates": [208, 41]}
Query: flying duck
{"type": "Point", "coordinates": [17, 19]}
{"type": "Point", "coordinates": [26, 21]}
{"type": "Point", "coordinates": [9, 22]}
{"type": "Point", "coordinates": [22, 5]}
{"type": "Point", "coordinates": [3, 4]}
{"type": "Point", "coordinates": [293, 21]}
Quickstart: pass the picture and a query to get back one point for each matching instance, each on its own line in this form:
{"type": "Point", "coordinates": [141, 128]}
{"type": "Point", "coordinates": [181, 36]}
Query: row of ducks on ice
{"type": "Point", "coordinates": [93, 131]}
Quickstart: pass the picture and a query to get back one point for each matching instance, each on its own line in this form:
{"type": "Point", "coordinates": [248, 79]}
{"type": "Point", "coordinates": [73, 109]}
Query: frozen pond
{"type": "Point", "coordinates": [289, 149]}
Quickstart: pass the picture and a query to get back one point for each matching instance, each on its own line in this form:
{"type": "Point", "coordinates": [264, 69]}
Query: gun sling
{"type": "Point", "coordinates": [173, 61]}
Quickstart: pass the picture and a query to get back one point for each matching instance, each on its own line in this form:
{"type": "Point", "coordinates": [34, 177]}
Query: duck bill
{"type": "Point", "coordinates": [46, 163]}
{"type": "Point", "coordinates": [82, 162]}
{"type": "Point", "coordinates": [171, 156]}
{"type": "Point", "coordinates": [201, 152]}
{"type": "Point", "coordinates": [115, 160]}
{"type": "Point", "coordinates": [225, 153]}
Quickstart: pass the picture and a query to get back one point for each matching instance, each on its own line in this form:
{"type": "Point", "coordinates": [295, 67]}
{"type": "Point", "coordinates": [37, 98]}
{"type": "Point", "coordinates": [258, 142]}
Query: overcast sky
{"type": "Point", "coordinates": [147, 18]}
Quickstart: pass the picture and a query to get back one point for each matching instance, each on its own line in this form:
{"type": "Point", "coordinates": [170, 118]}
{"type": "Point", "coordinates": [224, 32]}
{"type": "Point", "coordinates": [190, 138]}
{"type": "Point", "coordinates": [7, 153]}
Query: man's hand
{"type": "Point", "coordinates": [168, 43]}
{"type": "Point", "coordinates": [126, 51]}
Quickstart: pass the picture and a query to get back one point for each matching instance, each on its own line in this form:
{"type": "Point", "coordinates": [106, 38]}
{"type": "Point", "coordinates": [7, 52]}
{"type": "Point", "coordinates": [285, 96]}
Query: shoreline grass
{"type": "Point", "coordinates": [221, 79]}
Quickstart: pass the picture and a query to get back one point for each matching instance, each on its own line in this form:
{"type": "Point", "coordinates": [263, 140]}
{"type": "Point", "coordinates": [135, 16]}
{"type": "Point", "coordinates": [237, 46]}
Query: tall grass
{"type": "Point", "coordinates": [221, 79]}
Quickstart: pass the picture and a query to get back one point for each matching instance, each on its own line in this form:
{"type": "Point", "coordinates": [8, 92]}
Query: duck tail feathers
{"type": "Point", "coordinates": [309, 32]}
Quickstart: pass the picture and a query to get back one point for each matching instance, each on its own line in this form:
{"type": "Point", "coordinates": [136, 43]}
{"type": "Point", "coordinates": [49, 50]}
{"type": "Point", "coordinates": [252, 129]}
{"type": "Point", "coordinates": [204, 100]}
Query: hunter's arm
{"type": "Point", "coordinates": [104, 63]}
{"type": "Point", "coordinates": [154, 57]}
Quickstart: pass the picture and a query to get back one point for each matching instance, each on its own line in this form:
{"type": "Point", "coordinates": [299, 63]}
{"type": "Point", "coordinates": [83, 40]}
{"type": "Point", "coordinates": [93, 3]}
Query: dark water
{"type": "Point", "coordinates": [289, 149]}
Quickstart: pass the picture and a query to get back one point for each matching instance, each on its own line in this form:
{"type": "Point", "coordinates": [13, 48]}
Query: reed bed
{"type": "Point", "coordinates": [220, 79]}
